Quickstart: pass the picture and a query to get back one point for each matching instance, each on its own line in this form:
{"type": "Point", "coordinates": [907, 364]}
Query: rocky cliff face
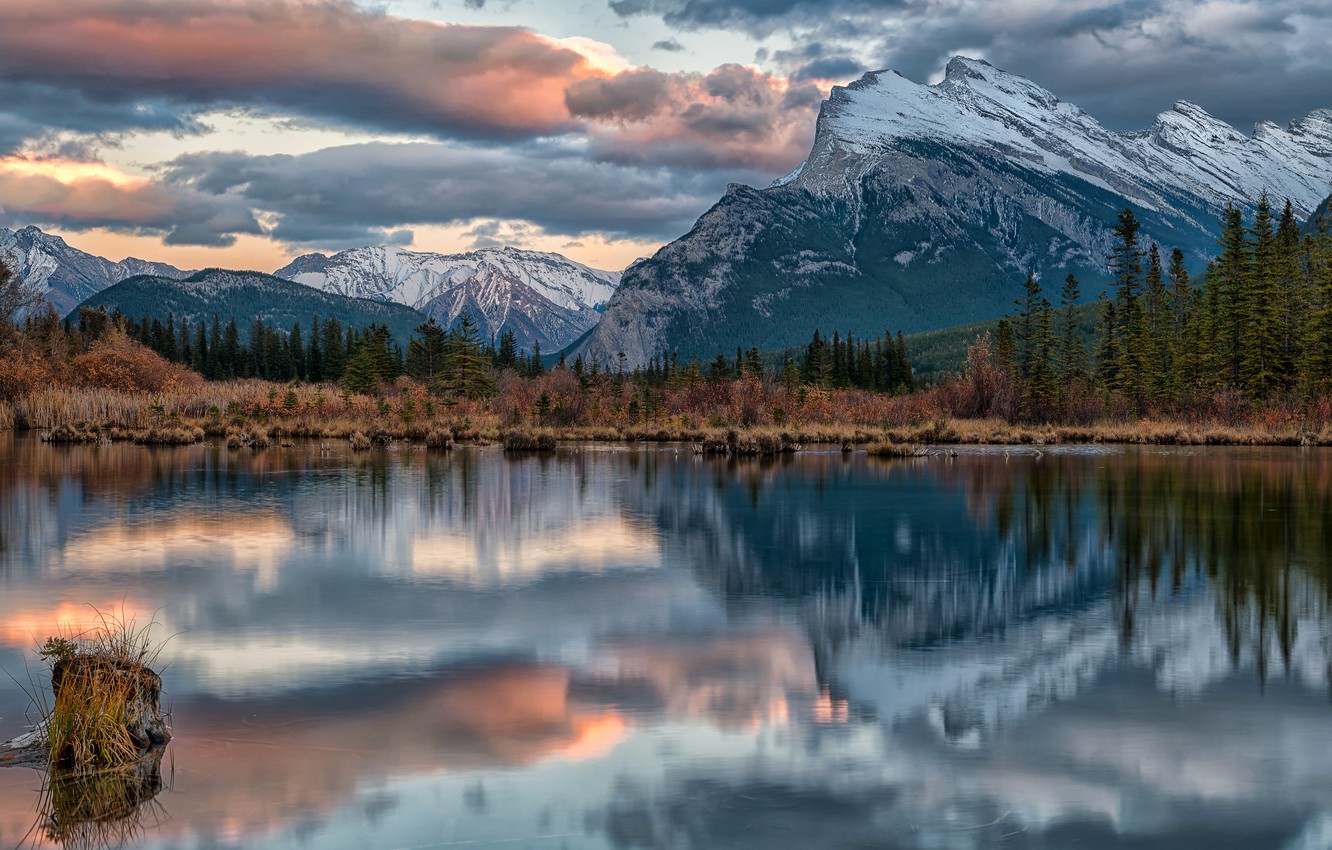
{"type": "Point", "coordinates": [925, 206]}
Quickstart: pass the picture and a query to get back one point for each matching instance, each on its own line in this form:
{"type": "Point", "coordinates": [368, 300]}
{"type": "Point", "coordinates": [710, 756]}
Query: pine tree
{"type": "Point", "coordinates": [1133, 346]}
{"type": "Point", "coordinates": [1039, 389]}
{"type": "Point", "coordinates": [1107, 348]}
{"type": "Point", "coordinates": [1227, 308]}
{"type": "Point", "coordinates": [426, 351]}
{"type": "Point", "coordinates": [334, 350]}
{"type": "Point", "coordinates": [296, 352]}
{"type": "Point", "coordinates": [1260, 344]}
{"type": "Point", "coordinates": [231, 363]}
{"type": "Point", "coordinates": [1072, 354]}
{"type": "Point", "coordinates": [1005, 348]}
{"type": "Point", "coordinates": [199, 358]}
{"type": "Point", "coordinates": [1184, 330]}
{"type": "Point", "coordinates": [465, 371]}
{"type": "Point", "coordinates": [1156, 343]}
{"type": "Point", "coordinates": [506, 356]}
{"type": "Point", "coordinates": [1028, 307]}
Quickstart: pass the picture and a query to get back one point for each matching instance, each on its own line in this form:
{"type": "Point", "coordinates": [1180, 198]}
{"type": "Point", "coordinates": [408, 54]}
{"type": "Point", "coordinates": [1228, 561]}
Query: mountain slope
{"type": "Point", "coordinates": [925, 206]}
{"type": "Point", "coordinates": [243, 296]}
{"type": "Point", "coordinates": [539, 296]}
{"type": "Point", "coordinates": [65, 275]}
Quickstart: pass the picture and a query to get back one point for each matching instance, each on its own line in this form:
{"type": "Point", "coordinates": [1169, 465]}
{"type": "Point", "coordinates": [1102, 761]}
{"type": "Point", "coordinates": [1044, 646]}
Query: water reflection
{"type": "Point", "coordinates": [640, 648]}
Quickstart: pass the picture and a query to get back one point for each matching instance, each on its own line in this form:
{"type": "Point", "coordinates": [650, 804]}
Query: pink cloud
{"type": "Point", "coordinates": [327, 57]}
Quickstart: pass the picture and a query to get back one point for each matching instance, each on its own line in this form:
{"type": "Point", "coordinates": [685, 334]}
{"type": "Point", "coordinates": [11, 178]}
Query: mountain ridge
{"type": "Point", "coordinates": [541, 296]}
{"type": "Point", "coordinates": [245, 296]}
{"type": "Point", "coordinates": [65, 275]}
{"type": "Point", "coordinates": [921, 207]}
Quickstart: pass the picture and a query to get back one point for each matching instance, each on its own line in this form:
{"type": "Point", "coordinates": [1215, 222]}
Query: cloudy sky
{"type": "Point", "coordinates": [244, 132]}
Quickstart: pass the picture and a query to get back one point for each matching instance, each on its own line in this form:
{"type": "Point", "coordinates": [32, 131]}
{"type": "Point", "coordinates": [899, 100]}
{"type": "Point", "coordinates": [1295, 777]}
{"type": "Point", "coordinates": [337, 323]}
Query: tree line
{"type": "Point", "coordinates": [1258, 326]}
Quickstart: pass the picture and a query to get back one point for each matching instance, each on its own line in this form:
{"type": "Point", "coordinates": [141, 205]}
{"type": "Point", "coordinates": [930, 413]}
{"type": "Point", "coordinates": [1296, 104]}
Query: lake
{"type": "Point", "coordinates": [637, 647]}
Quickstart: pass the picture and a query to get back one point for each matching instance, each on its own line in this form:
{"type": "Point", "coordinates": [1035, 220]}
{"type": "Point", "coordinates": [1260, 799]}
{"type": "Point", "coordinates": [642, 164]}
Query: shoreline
{"type": "Point", "coordinates": [753, 420]}
{"type": "Point", "coordinates": [763, 440]}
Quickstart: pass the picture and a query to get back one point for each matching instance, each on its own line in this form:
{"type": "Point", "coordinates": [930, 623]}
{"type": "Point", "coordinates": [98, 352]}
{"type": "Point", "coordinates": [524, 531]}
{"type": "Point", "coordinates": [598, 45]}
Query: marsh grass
{"type": "Point", "coordinates": [109, 807]}
{"type": "Point", "coordinates": [105, 709]}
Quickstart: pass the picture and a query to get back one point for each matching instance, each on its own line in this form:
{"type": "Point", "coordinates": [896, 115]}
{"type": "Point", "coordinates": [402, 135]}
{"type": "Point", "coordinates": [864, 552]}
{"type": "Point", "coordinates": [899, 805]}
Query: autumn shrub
{"type": "Point", "coordinates": [116, 362]}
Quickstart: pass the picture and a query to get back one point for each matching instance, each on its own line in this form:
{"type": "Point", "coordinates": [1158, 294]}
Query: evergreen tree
{"type": "Point", "coordinates": [199, 358]}
{"type": "Point", "coordinates": [1107, 348]}
{"type": "Point", "coordinates": [1005, 348]}
{"type": "Point", "coordinates": [1227, 308]}
{"type": "Point", "coordinates": [817, 368]}
{"type": "Point", "coordinates": [314, 355]}
{"type": "Point", "coordinates": [1072, 354]}
{"type": "Point", "coordinates": [426, 351]}
{"type": "Point", "coordinates": [1028, 307]}
{"type": "Point", "coordinates": [465, 363]}
{"type": "Point", "coordinates": [296, 353]}
{"type": "Point", "coordinates": [1184, 328]}
{"type": "Point", "coordinates": [1260, 343]}
{"type": "Point", "coordinates": [1132, 343]}
{"type": "Point", "coordinates": [1156, 343]}
{"type": "Point", "coordinates": [506, 356]}
{"type": "Point", "coordinates": [214, 349]}
{"type": "Point", "coordinates": [231, 363]}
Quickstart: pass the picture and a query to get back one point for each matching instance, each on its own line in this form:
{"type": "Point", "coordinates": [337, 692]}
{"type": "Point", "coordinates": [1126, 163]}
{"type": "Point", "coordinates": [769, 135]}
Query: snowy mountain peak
{"type": "Point", "coordinates": [65, 275]}
{"type": "Point", "coordinates": [543, 297]}
{"type": "Point", "coordinates": [977, 106]}
{"type": "Point", "coordinates": [921, 206]}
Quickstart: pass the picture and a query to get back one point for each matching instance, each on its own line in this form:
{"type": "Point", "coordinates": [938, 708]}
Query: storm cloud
{"type": "Point", "coordinates": [354, 194]}
{"type": "Point", "coordinates": [1242, 60]}
{"type": "Point", "coordinates": [178, 213]}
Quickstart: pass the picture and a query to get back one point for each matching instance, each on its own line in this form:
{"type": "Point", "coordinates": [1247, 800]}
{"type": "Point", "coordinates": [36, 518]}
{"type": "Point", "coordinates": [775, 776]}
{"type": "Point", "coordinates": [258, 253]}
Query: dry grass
{"type": "Point", "coordinates": [889, 449]}
{"type": "Point", "coordinates": [105, 709]}
{"type": "Point", "coordinates": [768, 418]}
{"type": "Point", "coordinates": [527, 441]}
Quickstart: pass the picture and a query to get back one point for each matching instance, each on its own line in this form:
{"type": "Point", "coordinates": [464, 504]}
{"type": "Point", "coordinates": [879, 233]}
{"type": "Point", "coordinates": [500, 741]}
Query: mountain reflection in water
{"type": "Point", "coordinates": [641, 648]}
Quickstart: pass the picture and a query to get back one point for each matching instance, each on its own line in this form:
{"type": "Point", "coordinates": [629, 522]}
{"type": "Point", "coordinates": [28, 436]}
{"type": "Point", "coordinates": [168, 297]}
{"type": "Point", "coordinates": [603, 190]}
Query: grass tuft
{"type": "Point", "coordinates": [106, 708]}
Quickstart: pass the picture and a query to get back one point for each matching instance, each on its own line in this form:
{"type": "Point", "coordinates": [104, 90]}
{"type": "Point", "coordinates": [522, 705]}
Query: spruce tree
{"type": "Point", "coordinates": [1156, 343]}
{"type": "Point", "coordinates": [465, 363]}
{"type": "Point", "coordinates": [1126, 266]}
{"type": "Point", "coordinates": [1226, 305]}
{"type": "Point", "coordinates": [1184, 330]}
{"type": "Point", "coordinates": [1072, 354]}
{"type": "Point", "coordinates": [1260, 342]}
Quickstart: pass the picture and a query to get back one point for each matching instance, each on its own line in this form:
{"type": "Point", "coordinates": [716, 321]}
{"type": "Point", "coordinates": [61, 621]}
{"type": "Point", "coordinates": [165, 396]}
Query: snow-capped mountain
{"type": "Point", "coordinates": [541, 297]}
{"type": "Point", "coordinates": [922, 206]}
{"type": "Point", "coordinates": [64, 275]}
{"type": "Point", "coordinates": [243, 296]}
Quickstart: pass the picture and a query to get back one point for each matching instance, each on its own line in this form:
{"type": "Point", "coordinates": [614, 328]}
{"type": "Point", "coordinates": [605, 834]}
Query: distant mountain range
{"type": "Point", "coordinates": [64, 275]}
{"type": "Point", "coordinates": [245, 296]}
{"type": "Point", "coordinates": [541, 297]}
{"type": "Point", "coordinates": [925, 206]}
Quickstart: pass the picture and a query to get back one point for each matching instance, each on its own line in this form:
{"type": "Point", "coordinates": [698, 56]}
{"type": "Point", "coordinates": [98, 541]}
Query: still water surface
{"type": "Point", "coordinates": [639, 648]}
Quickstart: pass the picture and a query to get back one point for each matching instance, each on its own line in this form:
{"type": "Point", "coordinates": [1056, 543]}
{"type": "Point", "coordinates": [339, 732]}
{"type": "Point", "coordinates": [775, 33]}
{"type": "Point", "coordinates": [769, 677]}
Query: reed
{"type": "Point", "coordinates": [106, 699]}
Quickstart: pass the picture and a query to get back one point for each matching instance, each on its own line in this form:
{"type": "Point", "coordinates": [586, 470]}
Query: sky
{"type": "Point", "coordinates": [243, 133]}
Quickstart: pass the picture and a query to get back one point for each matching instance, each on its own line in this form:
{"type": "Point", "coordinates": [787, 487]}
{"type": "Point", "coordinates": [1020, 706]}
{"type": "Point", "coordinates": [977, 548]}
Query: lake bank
{"type": "Point", "coordinates": [257, 414]}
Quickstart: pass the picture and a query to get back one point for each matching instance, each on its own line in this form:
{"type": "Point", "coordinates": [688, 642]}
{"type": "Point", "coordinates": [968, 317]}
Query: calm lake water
{"type": "Point", "coordinates": [640, 648]}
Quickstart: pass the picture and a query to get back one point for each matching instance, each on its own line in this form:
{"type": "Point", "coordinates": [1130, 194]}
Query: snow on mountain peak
{"type": "Point", "coordinates": [487, 282]}
{"type": "Point", "coordinates": [978, 106]}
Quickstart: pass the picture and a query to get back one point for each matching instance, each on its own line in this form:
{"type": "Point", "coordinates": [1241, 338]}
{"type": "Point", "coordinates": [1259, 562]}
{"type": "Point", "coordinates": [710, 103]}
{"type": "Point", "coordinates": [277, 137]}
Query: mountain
{"type": "Point", "coordinates": [539, 296]}
{"type": "Point", "coordinates": [244, 296]}
{"type": "Point", "coordinates": [923, 206]}
{"type": "Point", "coordinates": [65, 275]}
{"type": "Point", "coordinates": [1324, 211]}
